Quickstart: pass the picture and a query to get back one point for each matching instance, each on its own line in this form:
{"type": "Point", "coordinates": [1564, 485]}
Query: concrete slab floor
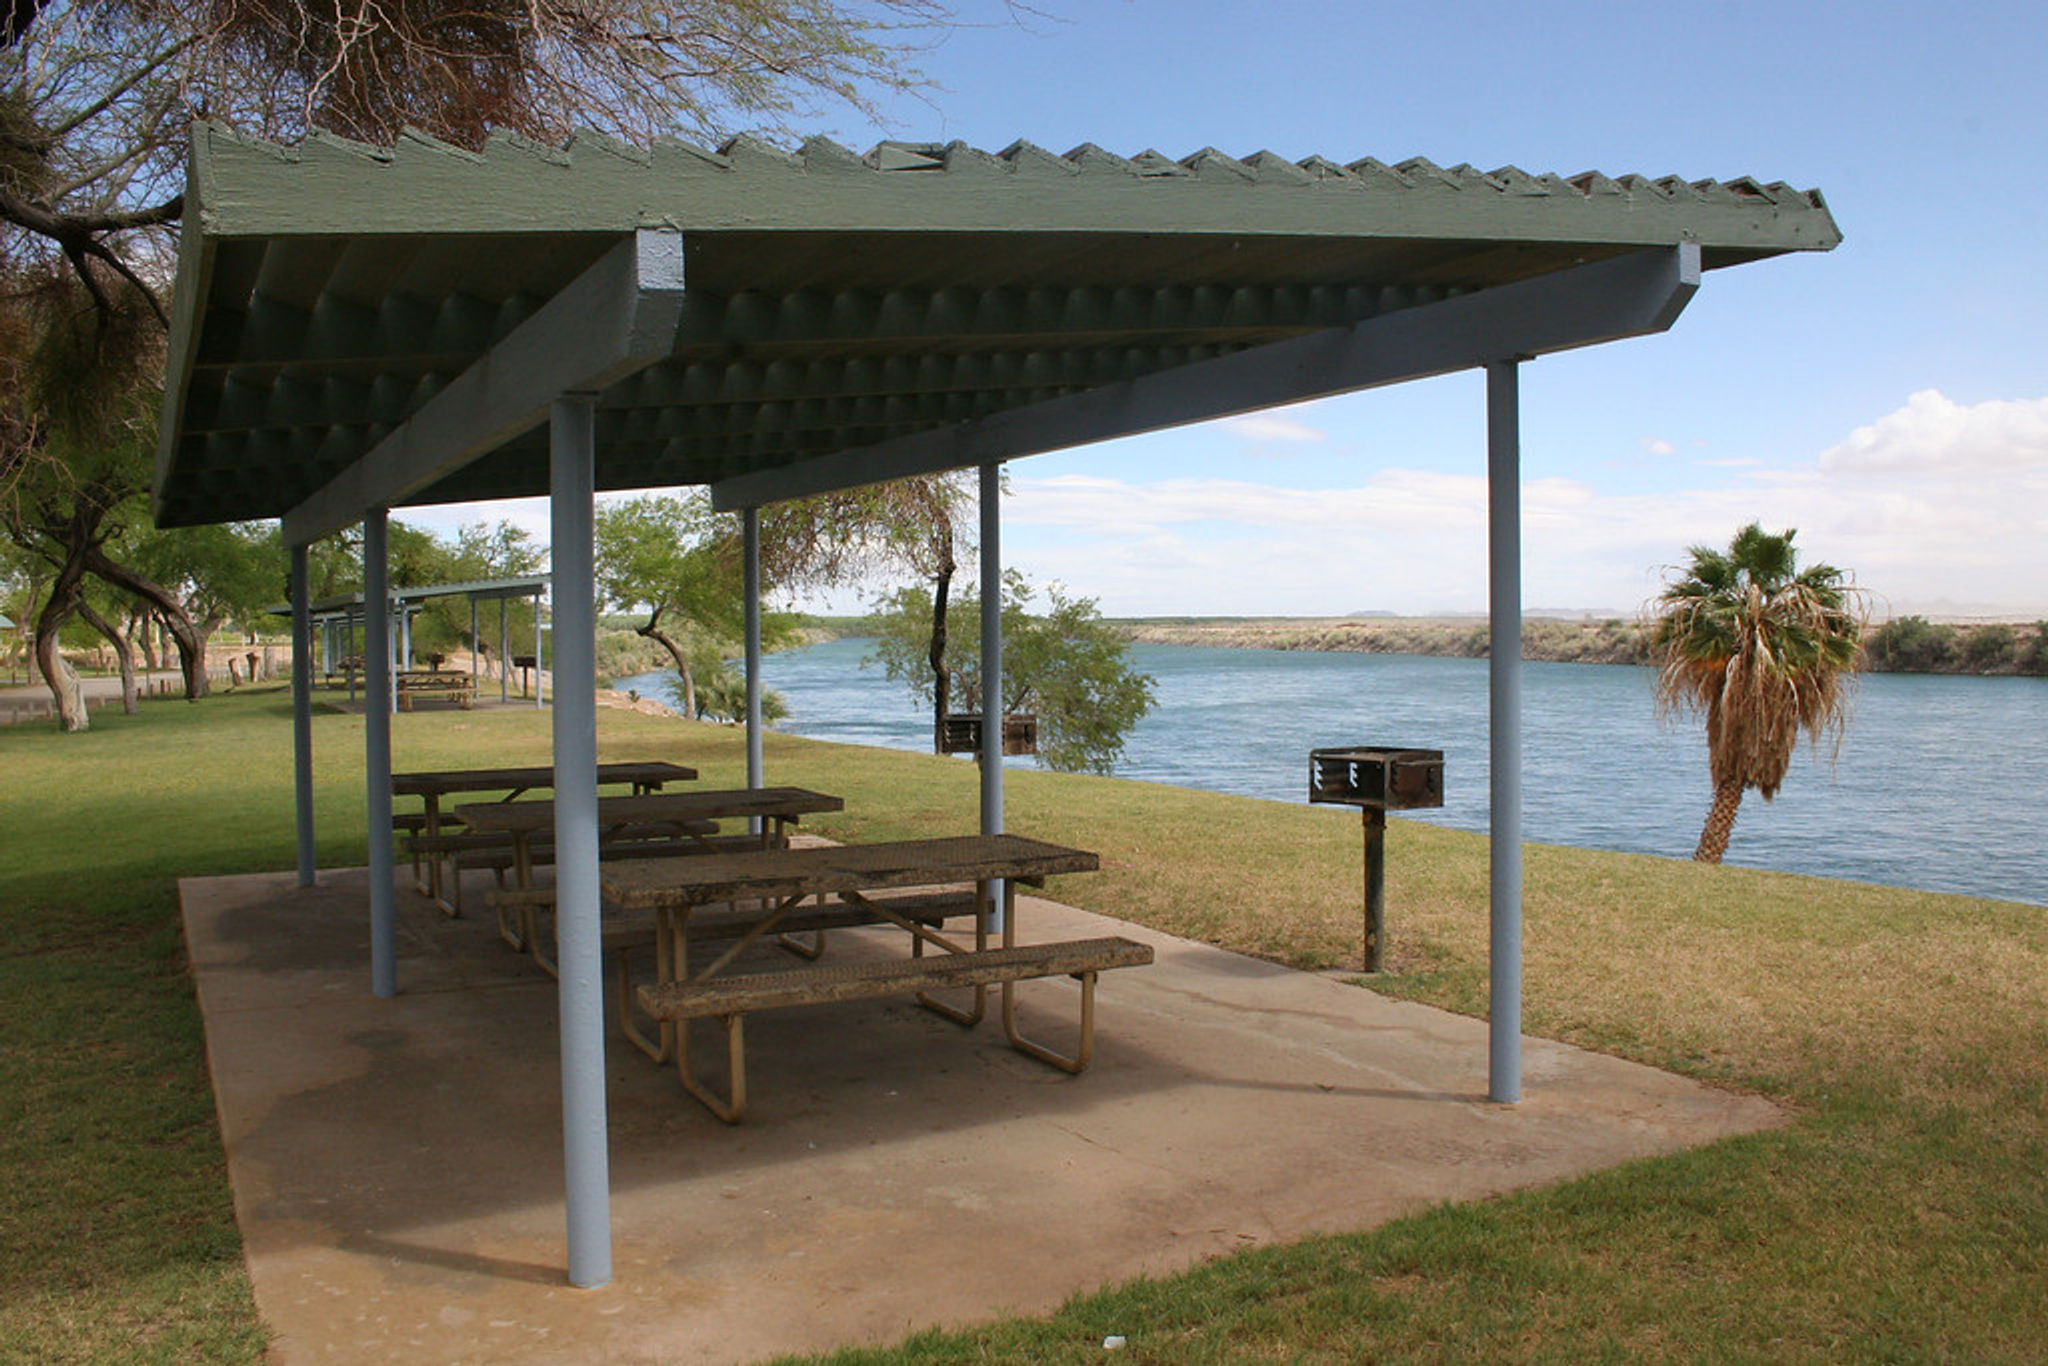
{"type": "Point", "coordinates": [397, 1164]}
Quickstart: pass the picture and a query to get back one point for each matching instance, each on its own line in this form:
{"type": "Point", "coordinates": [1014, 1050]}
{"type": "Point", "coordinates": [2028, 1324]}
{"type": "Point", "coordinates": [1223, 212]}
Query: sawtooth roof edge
{"type": "Point", "coordinates": [328, 185]}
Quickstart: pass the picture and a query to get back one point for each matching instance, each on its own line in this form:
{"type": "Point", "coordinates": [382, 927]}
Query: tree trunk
{"type": "Point", "coordinates": [1720, 822]}
{"type": "Point", "coordinates": [63, 683]}
{"type": "Point", "coordinates": [67, 594]}
{"type": "Point", "coordinates": [942, 677]}
{"type": "Point", "coordinates": [652, 630]}
{"type": "Point", "coordinates": [191, 640]}
{"type": "Point", "coordinates": [143, 631]}
{"type": "Point", "coordinates": [124, 651]}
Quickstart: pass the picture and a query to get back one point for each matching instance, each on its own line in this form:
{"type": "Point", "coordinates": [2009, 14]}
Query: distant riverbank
{"type": "Point", "coordinates": [1902, 645]}
{"type": "Point", "coordinates": [1608, 641]}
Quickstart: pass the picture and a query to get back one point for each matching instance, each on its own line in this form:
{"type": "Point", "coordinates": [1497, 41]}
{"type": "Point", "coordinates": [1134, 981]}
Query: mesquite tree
{"type": "Point", "coordinates": [96, 97]}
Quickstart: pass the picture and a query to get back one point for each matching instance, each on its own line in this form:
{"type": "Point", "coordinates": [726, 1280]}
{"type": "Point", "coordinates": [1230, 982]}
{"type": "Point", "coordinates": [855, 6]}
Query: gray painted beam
{"type": "Point", "coordinates": [617, 316]}
{"type": "Point", "coordinates": [1632, 295]}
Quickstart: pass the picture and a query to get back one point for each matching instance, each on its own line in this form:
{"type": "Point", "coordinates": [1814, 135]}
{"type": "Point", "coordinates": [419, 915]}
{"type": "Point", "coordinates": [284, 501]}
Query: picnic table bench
{"type": "Point", "coordinates": [676, 890]}
{"type": "Point", "coordinates": [414, 684]}
{"type": "Point", "coordinates": [623, 939]}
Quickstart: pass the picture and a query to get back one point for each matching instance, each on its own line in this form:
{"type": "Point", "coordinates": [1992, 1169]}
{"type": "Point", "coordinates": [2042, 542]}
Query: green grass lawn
{"type": "Point", "coordinates": [1903, 1215]}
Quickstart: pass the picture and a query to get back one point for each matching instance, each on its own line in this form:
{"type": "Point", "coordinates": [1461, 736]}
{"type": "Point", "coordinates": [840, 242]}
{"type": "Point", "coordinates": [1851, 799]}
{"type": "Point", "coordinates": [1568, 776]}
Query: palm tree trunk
{"type": "Point", "coordinates": [1720, 822]}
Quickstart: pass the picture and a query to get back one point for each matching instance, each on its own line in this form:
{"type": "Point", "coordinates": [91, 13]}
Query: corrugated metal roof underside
{"type": "Point", "coordinates": [832, 301]}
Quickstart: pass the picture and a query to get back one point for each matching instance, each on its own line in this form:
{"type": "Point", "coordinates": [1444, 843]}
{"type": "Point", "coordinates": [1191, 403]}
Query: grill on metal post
{"type": "Point", "coordinates": [960, 733]}
{"type": "Point", "coordinates": [1376, 779]}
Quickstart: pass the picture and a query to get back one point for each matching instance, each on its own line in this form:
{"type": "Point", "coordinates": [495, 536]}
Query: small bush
{"type": "Point", "coordinates": [1913, 645]}
{"type": "Point", "coordinates": [1989, 649]}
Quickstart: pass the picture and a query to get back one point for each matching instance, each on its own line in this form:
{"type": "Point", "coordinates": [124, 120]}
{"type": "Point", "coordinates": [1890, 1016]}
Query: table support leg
{"type": "Point", "coordinates": [1084, 1052]}
{"type": "Point", "coordinates": [966, 1019]}
{"type": "Point", "coordinates": [731, 1108]}
{"type": "Point", "coordinates": [1375, 888]}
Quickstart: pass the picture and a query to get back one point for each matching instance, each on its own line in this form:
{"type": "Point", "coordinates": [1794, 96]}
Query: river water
{"type": "Point", "coordinates": [1939, 783]}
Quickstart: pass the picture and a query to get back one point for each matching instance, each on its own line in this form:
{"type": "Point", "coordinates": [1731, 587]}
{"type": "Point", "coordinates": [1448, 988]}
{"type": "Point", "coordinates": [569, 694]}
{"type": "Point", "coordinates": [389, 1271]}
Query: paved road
{"type": "Point", "coordinates": [23, 703]}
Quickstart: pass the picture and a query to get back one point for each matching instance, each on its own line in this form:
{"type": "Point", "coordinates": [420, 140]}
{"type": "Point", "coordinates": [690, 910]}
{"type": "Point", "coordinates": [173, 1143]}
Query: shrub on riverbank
{"type": "Point", "coordinates": [1917, 645]}
{"type": "Point", "coordinates": [1902, 645]}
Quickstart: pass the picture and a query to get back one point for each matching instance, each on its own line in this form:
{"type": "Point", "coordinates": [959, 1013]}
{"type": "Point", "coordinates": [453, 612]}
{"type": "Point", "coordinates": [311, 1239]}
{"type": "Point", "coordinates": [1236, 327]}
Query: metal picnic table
{"type": "Point", "coordinates": [780, 880]}
{"type": "Point", "coordinates": [683, 816]}
{"type": "Point", "coordinates": [432, 785]}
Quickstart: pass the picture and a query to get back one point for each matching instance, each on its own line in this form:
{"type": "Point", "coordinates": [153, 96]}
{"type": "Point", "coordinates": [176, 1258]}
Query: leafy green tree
{"type": "Point", "coordinates": [915, 526]}
{"type": "Point", "coordinates": [1065, 665]}
{"type": "Point", "coordinates": [197, 580]}
{"type": "Point", "coordinates": [1765, 650]}
{"type": "Point", "coordinates": [676, 560]}
{"type": "Point", "coordinates": [96, 100]}
{"type": "Point", "coordinates": [78, 402]}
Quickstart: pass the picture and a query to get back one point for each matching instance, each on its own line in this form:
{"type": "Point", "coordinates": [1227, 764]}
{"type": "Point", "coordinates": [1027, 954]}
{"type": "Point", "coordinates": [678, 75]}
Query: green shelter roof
{"type": "Point", "coordinates": [359, 326]}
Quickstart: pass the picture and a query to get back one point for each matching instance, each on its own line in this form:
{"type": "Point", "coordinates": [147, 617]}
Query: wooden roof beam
{"type": "Point", "coordinates": [613, 319]}
{"type": "Point", "coordinates": [1633, 295]}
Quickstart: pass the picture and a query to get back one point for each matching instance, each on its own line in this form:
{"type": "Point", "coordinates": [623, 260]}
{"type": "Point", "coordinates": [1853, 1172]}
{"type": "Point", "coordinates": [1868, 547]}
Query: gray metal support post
{"type": "Point", "coordinates": [540, 660]}
{"type": "Point", "coordinates": [302, 709]}
{"type": "Point", "coordinates": [750, 538]}
{"type": "Point", "coordinates": [474, 652]}
{"type": "Point", "coordinates": [1504, 672]}
{"type": "Point", "coordinates": [377, 751]}
{"type": "Point", "coordinates": [404, 634]}
{"type": "Point", "coordinates": [992, 666]}
{"type": "Point", "coordinates": [578, 936]}
{"type": "Point", "coordinates": [394, 626]}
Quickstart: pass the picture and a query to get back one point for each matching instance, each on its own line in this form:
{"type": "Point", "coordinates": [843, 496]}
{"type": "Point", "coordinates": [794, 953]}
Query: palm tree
{"type": "Point", "coordinates": [1766, 650]}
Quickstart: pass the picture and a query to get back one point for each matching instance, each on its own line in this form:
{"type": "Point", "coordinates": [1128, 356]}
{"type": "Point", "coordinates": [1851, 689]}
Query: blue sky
{"type": "Point", "coordinates": [1888, 399]}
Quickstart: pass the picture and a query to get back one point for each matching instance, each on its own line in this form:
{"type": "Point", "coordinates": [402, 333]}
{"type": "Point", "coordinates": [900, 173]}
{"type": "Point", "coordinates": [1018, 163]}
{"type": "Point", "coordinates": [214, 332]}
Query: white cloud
{"type": "Point", "coordinates": [1935, 435]}
{"type": "Point", "coordinates": [1935, 501]}
{"type": "Point", "coordinates": [446, 520]}
{"type": "Point", "coordinates": [1657, 445]}
{"type": "Point", "coordinates": [1274, 427]}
